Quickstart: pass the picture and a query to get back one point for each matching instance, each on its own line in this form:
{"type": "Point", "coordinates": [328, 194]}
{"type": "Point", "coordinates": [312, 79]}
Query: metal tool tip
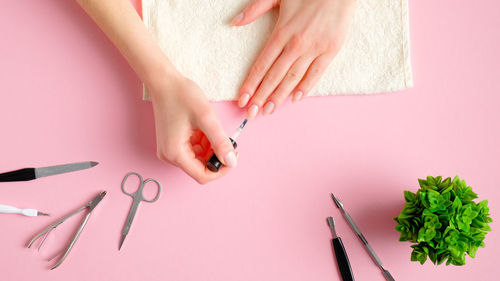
{"type": "Point", "coordinates": [41, 214]}
{"type": "Point", "coordinates": [93, 164]}
{"type": "Point", "coordinates": [121, 242]}
{"type": "Point", "coordinates": [337, 201]}
{"type": "Point", "coordinates": [331, 222]}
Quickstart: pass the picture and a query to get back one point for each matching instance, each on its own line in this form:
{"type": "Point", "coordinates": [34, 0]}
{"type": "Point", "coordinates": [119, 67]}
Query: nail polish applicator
{"type": "Point", "coordinates": [214, 164]}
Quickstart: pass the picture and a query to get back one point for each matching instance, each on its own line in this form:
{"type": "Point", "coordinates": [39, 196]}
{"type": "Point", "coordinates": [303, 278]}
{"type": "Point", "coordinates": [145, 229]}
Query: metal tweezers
{"type": "Point", "coordinates": [90, 206]}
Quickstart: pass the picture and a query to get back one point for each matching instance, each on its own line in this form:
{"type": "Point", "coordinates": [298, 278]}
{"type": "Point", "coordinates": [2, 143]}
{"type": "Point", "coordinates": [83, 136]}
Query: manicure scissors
{"type": "Point", "coordinates": [138, 197]}
{"type": "Point", "coordinates": [90, 207]}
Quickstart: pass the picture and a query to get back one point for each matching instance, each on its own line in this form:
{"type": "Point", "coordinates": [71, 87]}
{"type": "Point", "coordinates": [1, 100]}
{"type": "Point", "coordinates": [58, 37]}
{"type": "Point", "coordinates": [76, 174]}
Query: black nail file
{"type": "Point", "coordinates": [28, 174]}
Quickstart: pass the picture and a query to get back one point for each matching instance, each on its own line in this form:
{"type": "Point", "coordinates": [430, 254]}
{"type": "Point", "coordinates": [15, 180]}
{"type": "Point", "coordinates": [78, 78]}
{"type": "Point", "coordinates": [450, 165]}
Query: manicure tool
{"type": "Point", "coordinates": [214, 163]}
{"type": "Point", "coordinates": [5, 209]}
{"type": "Point", "coordinates": [90, 206]}
{"type": "Point", "coordinates": [138, 197]}
{"type": "Point", "coordinates": [340, 253]}
{"type": "Point", "coordinates": [354, 227]}
{"type": "Point", "coordinates": [28, 174]}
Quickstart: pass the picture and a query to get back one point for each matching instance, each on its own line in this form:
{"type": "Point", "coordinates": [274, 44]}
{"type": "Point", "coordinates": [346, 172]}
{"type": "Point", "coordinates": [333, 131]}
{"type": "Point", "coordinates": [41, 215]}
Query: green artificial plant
{"type": "Point", "coordinates": [444, 221]}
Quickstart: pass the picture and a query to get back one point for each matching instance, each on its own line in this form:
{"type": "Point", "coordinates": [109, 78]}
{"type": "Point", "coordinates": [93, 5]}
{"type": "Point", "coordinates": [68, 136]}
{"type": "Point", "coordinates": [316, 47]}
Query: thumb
{"type": "Point", "coordinates": [218, 139]}
{"type": "Point", "coordinates": [254, 10]}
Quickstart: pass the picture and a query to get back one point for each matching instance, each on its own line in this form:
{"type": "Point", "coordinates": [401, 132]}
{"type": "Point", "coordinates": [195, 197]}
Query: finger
{"type": "Point", "coordinates": [312, 76]}
{"type": "Point", "coordinates": [265, 60]}
{"type": "Point", "coordinates": [197, 149]}
{"type": "Point", "coordinates": [197, 170]}
{"type": "Point", "coordinates": [207, 155]}
{"type": "Point", "coordinates": [291, 80]}
{"type": "Point", "coordinates": [271, 80]}
{"type": "Point", "coordinates": [219, 141]}
{"type": "Point", "coordinates": [205, 143]}
{"type": "Point", "coordinates": [253, 11]}
{"type": "Point", "coordinates": [196, 137]}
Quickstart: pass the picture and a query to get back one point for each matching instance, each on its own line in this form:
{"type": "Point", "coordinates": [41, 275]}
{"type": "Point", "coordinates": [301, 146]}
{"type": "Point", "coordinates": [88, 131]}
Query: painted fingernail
{"type": "Point", "coordinates": [297, 96]}
{"type": "Point", "coordinates": [237, 19]}
{"type": "Point", "coordinates": [244, 99]}
{"type": "Point", "coordinates": [230, 159]}
{"type": "Point", "coordinates": [252, 111]}
{"type": "Point", "coordinates": [268, 108]}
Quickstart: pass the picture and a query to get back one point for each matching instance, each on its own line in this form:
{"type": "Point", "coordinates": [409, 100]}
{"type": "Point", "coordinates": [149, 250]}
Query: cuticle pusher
{"type": "Point", "coordinates": [6, 209]}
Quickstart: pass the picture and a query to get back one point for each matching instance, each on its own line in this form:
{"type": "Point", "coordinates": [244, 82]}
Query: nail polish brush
{"type": "Point", "coordinates": [214, 164]}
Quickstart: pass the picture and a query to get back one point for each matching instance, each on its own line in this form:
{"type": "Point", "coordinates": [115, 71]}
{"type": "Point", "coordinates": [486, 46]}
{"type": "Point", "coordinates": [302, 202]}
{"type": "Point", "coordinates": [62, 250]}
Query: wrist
{"type": "Point", "coordinates": [162, 76]}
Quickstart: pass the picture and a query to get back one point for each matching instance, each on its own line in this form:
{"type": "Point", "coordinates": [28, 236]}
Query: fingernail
{"type": "Point", "coordinates": [252, 111]}
{"type": "Point", "coordinates": [297, 96]}
{"type": "Point", "coordinates": [268, 108]}
{"type": "Point", "coordinates": [230, 159]}
{"type": "Point", "coordinates": [237, 19]}
{"type": "Point", "coordinates": [244, 99]}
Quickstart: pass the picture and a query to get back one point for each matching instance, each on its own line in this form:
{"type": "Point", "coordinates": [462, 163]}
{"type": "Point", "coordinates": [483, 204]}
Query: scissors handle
{"type": "Point", "coordinates": [157, 194]}
{"type": "Point", "coordinates": [125, 180]}
{"type": "Point", "coordinates": [138, 195]}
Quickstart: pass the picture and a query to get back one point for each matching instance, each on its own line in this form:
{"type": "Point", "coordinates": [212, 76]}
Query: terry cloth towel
{"type": "Point", "coordinates": [197, 37]}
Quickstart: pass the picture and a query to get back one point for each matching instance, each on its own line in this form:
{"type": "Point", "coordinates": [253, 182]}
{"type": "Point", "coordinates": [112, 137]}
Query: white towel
{"type": "Point", "coordinates": [198, 39]}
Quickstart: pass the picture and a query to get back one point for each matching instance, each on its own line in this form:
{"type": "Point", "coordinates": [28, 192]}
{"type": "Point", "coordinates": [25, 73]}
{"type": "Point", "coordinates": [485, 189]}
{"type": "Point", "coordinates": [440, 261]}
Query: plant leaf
{"type": "Point", "coordinates": [443, 221]}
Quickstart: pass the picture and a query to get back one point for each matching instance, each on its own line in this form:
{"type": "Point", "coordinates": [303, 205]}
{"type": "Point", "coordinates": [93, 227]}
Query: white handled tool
{"type": "Point", "coordinates": [27, 212]}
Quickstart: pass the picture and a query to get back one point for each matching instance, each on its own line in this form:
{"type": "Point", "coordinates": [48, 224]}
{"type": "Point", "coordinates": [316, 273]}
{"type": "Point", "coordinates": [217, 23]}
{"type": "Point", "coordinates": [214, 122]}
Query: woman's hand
{"type": "Point", "coordinates": [306, 38]}
{"type": "Point", "coordinates": [188, 130]}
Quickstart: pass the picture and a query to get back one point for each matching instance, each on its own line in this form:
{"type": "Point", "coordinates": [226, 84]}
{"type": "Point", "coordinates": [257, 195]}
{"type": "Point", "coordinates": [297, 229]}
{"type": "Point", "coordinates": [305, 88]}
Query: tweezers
{"type": "Point", "coordinates": [90, 206]}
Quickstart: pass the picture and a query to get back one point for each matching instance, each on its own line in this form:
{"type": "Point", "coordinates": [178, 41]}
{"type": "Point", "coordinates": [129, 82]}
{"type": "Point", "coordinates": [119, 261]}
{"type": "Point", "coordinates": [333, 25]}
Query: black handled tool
{"type": "Point", "coordinates": [28, 174]}
{"type": "Point", "coordinates": [340, 253]}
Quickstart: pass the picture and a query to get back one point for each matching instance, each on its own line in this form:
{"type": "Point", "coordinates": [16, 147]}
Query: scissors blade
{"type": "Point", "coordinates": [129, 221]}
{"type": "Point", "coordinates": [121, 241]}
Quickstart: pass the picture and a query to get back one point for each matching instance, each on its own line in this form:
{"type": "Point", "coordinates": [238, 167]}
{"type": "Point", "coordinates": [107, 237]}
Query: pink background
{"type": "Point", "coordinates": [69, 96]}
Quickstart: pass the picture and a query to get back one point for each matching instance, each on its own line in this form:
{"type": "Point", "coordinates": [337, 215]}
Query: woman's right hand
{"type": "Point", "coordinates": [187, 128]}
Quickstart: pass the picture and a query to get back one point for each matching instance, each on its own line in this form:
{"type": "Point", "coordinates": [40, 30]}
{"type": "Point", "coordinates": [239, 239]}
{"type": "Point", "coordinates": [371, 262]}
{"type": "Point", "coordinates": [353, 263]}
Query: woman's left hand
{"type": "Point", "coordinates": [306, 38]}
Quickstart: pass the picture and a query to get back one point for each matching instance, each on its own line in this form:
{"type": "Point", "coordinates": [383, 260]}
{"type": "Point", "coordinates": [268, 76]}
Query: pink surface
{"type": "Point", "coordinates": [69, 96]}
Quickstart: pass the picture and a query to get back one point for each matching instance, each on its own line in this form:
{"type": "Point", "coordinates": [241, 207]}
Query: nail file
{"type": "Point", "coordinates": [28, 174]}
